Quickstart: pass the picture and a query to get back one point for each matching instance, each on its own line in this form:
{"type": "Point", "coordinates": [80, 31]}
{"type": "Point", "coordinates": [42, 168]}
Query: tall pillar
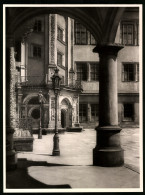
{"type": "Point", "coordinates": [11, 156]}
{"type": "Point", "coordinates": [108, 151]}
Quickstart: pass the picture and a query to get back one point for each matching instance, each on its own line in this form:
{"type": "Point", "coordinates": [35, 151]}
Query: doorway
{"type": "Point", "coordinates": [63, 118]}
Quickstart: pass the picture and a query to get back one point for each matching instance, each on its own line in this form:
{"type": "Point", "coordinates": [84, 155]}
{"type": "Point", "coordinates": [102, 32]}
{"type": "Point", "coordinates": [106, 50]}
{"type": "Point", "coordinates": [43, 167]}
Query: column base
{"type": "Point", "coordinates": [56, 151]}
{"type": "Point", "coordinates": [11, 160]}
{"type": "Point", "coordinates": [110, 157]}
{"type": "Point", "coordinates": [108, 152]}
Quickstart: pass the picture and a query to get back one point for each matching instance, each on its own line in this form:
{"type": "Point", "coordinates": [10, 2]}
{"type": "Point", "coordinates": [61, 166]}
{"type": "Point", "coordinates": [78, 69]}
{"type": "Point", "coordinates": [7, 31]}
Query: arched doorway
{"type": "Point", "coordinates": [66, 113]}
{"type": "Point", "coordinates": [34, 112]}
{"type": "Point", "coordinates": [63, 118]}
{"type": "Point", "coordinates": [35, 115]}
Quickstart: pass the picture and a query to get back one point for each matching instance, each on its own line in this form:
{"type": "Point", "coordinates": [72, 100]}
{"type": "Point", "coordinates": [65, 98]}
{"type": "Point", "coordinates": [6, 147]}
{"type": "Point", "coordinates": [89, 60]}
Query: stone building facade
{"type": "Point", "coordinates": [58, 41]}
{"type": "Point", "coordinates": [100, 77]}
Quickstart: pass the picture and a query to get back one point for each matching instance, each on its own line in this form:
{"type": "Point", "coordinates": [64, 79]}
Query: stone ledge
{"type": "Point", "coordinates": [74, 129]}
{"type": "Point", "coordinates": [46, 131]}
{"type": "Point", "coordinates": [23, 143]}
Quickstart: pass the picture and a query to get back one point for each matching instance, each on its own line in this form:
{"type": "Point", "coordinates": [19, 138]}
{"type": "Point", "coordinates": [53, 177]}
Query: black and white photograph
{"type": "Point", "coordinates": [72, 98]}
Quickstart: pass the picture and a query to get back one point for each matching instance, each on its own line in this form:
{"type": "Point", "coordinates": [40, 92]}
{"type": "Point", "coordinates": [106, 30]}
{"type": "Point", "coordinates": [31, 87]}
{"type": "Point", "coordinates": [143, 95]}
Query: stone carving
{"type": "Point", "coordinates": [52, 103]}
{"type": "Point", "coordinates": [22, 133]}
{"type": "Point", "coordinates": [52, 39]}
{"type": "Point", "coordinates": [52, 114]}
{"type": "Point", "coordinates": [12, 89]}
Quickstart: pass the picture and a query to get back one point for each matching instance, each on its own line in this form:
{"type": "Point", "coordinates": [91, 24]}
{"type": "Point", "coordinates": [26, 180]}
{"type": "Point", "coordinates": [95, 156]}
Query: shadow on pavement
{"type": "Point", "coordinates": [20, 179]}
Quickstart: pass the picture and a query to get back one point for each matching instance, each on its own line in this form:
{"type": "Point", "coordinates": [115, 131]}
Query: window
{"type": "Point", "coordinates": [81, 71]}
{"type": "Point", "coordinates": [130, 33]}
{"type": "Point", "coordinates": [83, 36]}
{"type": "Point", "coordinates": [94, 74]}
{"type": "Point", "coordinates": [130, 72]}
{"type": "Point", "coordinates": [94, 112]}
{"type": "Point", "coordinates": [128, 112]}
{"type": "Point", "coordinates": [37, 51]}
{"type": "Point", "coordinates": [80, 34]}
{"type": "Point", "coordinates": [37, 26]}
{"type": "Point", "coordinates": [83, 112]}
{"type": "Point", "coordinates": [60, 34]}
{"type": "Point", "coordinates": [59, 59]}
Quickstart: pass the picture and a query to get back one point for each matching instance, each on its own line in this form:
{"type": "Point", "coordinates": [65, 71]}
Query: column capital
{"type": "Point", "coordinates": [108, 48]}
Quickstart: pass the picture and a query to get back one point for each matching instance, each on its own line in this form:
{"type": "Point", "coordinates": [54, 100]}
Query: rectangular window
{"type": "Point", "coordinates": [83, 112]}
{"type": "Point", "coordinates": [59, 34]}
{"type": "Point", "coordinates": [130, 32]}
{"type": "Point", "coordinates": [94, 112]}
{"type": "Point", "coordinates": [128, 112]}
{"type": "Point", "coordinates": [80, 34]}
{"type": "Point", "coordinates": [94, 74]}
{"type": "Point", "coordinates": [37, 26]}
{"type": "Point", "coordinates": [81, 71]}
{"type": "Point", "coordinates": [37, 51]}
{"type": "Point", "coordinates": [130, 72]}
{"type": "Point", "coordinates": [59, 59]}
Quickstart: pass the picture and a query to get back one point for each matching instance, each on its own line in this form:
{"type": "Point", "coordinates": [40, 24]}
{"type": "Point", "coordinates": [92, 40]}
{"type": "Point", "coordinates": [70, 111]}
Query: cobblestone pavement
{"type": "Point", "coordinates": [131, 143]}
{"type": "Point", "coordinates": [39, 169]}
{"type": "Point", "coordinates": [76, 148]}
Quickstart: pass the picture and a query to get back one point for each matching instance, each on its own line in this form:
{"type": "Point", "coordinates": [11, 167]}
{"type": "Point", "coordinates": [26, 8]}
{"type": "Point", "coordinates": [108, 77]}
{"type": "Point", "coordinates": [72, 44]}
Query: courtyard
{"type": "Point", "coordinates": [73, 168]}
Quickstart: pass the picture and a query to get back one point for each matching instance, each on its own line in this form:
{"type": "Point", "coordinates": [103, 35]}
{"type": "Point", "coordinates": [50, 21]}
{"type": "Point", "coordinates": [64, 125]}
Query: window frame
{"type": "Point", "coordinates": [32, 51]}
{"type": "Point", "coordinates": [82, 116]}
{"type": "Point", "coordinates": [62, 65]}
{"type": "Point", "coordinates": [79, 31]}
{"type": "Point", "coordinates": [96, 111]}
{"type": "Point", "coordinates": [81, 71]}
{"type": "Point", "coordinates": [135, 33]}
{"type": "Point", "coordinates": [88, 35]}
{"type": "Point", "coordinates": [130, 118]}
{"type": "Point", "coordinates": [63, 35]}
{"type": "Point", "coordinates": [135, 69]}
{"type": "Point", "coordinates": [37, 26]}
{"type": "Point", "coordinates": [95, 71]}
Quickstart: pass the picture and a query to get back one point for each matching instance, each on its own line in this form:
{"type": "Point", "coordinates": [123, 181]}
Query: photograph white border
{"type": "Point", "coordinates": [140, 100]}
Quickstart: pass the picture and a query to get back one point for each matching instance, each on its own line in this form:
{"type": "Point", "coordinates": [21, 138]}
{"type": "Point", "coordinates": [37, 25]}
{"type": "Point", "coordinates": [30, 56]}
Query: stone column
{"type": "Point", "coordinates": [11, 156]}
{"type": "Point", "coordinates": [108, 151]}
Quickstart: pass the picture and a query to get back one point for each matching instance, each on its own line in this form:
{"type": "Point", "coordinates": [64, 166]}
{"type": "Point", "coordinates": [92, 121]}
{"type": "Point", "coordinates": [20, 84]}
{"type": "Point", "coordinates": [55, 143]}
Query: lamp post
{"type": "Point", "coordinates": [56, 87]}
{"type": "Point", "coordinates": [40, 97]}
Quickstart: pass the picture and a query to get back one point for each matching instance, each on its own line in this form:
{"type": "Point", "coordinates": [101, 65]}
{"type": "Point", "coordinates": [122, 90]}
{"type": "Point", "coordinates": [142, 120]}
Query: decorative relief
{"type": "Point", "coordinates": [52, 102]}
{"type": "Point", "coordinates": [52, 114]}
{"type": "Point", "coordinates": [24, 128]}
{"type": "Point", "coordinates": [20, 133]}
{"type": "Point", "coordinates": [12, 89]}
{"type": "Point", "coordinates": [52, 39]}
{"type": "Point", "coordinates": [52, 108]}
